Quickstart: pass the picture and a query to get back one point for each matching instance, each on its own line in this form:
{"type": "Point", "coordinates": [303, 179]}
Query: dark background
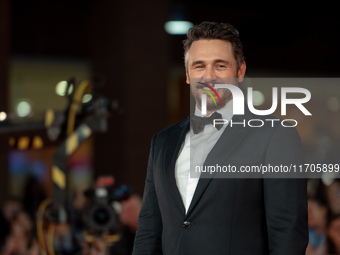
{"type": "Point", "coordinates": [125, 42]}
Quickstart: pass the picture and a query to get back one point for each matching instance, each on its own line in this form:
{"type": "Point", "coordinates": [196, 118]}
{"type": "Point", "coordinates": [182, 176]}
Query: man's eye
{"type": "Point", "coordinates": [200, 66]}
{"type": "Point", "coordinates": [221, 66]}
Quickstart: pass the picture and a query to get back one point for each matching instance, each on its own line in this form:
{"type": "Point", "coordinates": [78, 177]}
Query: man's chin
{"type": "Point", "coordinates": [212, 108]}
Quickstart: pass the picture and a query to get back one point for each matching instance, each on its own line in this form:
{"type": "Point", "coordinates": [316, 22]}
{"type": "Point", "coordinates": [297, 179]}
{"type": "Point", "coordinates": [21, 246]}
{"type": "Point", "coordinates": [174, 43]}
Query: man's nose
{"type": "Point", "coordinates": [209, 73]}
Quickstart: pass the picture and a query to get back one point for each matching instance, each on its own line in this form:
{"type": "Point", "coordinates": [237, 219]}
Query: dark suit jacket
{"type": "Point", "coordinates": [226, 216]}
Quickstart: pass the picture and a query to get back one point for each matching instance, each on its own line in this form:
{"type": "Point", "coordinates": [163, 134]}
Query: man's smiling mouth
{"type": "Point", "coordinates": [206, 88]}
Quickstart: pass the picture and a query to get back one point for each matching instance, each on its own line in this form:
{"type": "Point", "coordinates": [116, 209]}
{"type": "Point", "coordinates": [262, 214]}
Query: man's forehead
{"type": "Point", "coordinates": [205, 50]}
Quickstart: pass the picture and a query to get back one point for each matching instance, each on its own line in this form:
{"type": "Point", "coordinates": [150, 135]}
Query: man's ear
{"type": "Point", "coordinates": [241, 72]}
{"type": "Point", "coordinates": [187, 76]}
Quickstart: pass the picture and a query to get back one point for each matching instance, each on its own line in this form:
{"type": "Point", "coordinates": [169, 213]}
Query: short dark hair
{"type": "Point", "coordinates": [214, 30]}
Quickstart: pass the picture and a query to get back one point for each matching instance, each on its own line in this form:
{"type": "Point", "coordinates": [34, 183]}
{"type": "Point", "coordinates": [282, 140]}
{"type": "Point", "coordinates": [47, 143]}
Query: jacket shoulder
{"type": "Point", "coordinates": [181, 124]}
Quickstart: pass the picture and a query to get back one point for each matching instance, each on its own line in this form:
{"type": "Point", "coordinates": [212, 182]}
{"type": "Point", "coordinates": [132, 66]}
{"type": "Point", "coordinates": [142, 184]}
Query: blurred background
{"type": "Point", "coordinates": [128, 53]}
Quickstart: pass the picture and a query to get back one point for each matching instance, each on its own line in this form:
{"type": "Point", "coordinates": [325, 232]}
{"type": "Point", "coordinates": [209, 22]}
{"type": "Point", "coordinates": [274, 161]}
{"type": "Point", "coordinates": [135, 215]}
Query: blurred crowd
{"type": "Point", "coordinates": [18, 231]}
{"type": "Point", "coordinates": [323, 217]}
{"type": "Point", "coordinates": [19, 235]}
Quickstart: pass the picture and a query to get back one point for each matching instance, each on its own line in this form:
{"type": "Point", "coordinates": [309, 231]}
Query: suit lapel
{"type": "Point", "coordinates": [173, 146]}
{"type": "Point", "coordinates": [223, 148]}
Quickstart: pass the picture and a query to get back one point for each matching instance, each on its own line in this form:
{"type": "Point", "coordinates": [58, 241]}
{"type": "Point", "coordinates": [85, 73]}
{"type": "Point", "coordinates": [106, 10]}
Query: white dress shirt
{"type": "Point", "coordinates": [195, 149]}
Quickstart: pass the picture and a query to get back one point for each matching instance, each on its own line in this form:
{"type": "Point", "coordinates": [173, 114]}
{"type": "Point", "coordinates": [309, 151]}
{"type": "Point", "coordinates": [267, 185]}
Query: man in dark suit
{"type": "Point", "coordinates": [212, 214]}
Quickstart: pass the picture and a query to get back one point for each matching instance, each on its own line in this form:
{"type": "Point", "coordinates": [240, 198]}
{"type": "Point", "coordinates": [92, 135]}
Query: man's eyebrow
{"type": "Point", "coordinates": [222, 61]}
{"type": "Point", "coordinates": [197, 62]}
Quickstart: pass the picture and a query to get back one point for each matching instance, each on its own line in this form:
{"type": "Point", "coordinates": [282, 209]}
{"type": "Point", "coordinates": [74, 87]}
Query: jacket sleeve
{"type": "Point", "coordinates": [148, 240]}
{"type": "Point", "coordinates": [286, 199]}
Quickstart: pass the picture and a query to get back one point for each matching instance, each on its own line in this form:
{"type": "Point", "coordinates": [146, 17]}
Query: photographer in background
{"type": "Point", "coordinates": [109, 219]}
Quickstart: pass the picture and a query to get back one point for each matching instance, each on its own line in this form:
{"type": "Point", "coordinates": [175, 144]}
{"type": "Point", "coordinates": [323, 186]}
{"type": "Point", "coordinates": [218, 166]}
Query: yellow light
{"type": "Point", "coordinates": [23, 143]}
{"type": "Point", "coordinates": [49, 117]}
{"type": "Point", "coordinates": [11, 141]}
{"type": "Point", "coordinates": [37, 142]}
{"type": "Point", "coordinates": [3, 116]}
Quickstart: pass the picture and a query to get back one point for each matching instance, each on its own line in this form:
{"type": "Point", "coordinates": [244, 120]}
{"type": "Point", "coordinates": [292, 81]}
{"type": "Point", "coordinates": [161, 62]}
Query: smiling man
{"type": "Point", "coordinates": [212, 61]}
{"type": "Point", "coordinates": [182, 215]}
